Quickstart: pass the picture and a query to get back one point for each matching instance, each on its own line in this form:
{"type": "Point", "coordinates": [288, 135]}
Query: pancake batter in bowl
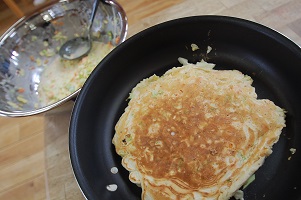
{"type": "Point", "coordinates": [63, 77]}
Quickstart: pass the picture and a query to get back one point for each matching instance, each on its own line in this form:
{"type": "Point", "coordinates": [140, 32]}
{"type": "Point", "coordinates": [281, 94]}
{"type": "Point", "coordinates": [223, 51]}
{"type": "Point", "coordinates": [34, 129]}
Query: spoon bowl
{"type": "Point", "coordinates": [75, 48]}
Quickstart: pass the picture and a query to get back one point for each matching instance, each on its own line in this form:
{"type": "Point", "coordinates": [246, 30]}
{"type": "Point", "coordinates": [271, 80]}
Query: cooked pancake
{"type": "Point", "coordinates": [196, 133]}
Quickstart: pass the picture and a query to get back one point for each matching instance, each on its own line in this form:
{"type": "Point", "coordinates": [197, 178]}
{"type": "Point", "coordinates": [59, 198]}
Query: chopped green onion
{"type": "Point", "coordinates": [249, 181]}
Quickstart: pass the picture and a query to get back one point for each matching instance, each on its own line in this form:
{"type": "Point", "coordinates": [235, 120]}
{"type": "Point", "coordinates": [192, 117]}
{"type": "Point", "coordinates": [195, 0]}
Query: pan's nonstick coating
{"type": "Point", "coordinates": [272, 60]}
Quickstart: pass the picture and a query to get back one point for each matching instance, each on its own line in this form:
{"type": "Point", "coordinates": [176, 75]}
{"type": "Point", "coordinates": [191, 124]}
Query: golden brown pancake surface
{"type": "Point", "coordinates": [195, 133]}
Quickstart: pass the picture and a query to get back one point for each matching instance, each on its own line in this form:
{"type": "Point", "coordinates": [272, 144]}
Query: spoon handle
{"type": "Point", "coordinates": [94, 9]}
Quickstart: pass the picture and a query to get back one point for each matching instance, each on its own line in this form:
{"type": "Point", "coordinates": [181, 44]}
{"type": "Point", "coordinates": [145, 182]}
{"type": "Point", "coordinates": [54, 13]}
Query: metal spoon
{"type": "Point", "coordinates": [79, 46]}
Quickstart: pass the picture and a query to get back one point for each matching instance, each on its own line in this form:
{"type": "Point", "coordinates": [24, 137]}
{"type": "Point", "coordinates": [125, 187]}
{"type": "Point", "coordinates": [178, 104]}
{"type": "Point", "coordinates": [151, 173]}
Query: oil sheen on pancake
{"type": "Point", "coordinates": [195, 133]}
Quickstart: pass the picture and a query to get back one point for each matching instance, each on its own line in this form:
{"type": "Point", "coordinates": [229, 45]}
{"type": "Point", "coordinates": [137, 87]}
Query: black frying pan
{"type": "Point", "coordinates": [272, 60]}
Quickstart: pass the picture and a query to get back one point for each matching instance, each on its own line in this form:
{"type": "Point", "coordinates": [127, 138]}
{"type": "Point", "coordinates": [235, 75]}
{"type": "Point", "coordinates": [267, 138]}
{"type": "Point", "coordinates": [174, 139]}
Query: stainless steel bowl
{"type": "Point", "coordinates": [21, 60]}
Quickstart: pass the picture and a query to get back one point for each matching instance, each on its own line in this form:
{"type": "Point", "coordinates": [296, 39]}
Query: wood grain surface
{"type": "Point", "coordinates": [34, 157]}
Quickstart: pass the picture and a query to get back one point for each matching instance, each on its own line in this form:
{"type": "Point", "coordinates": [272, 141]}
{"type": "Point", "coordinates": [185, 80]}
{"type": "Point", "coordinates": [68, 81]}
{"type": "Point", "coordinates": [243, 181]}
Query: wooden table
{"type": "Point", "coordinates": [14, 7]}
{"type": "Point", "coordinates": [282, 15]}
